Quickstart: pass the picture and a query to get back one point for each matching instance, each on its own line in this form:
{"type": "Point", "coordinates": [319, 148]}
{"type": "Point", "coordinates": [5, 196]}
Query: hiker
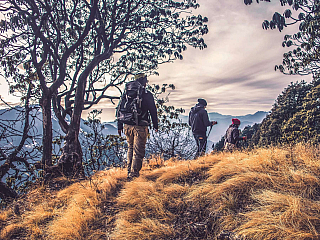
{"type": "Point", "coordinates": [199, 121]}
{"type": "Point", "coordinates": [134, 108]}
{"type": "Point", "coordinates": [232, 136]}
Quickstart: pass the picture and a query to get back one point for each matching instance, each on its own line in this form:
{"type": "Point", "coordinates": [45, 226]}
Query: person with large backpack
{"type": "Point", "coordinates": [134, 108]}
{"type": "Point", "coordinates": [232, 135]}
{"type": "Point", "coordinates": [199, 121]}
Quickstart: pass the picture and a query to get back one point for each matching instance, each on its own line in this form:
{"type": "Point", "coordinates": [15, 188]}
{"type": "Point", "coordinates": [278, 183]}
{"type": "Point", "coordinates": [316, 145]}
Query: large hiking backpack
{"type": "Point", "coordinates": [129, 108]}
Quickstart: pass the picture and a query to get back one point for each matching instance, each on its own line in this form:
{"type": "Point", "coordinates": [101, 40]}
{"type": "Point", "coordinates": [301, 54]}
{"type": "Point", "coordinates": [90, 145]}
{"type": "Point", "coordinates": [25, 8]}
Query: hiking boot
{"type": "Point", "coordinates": [133, 175]}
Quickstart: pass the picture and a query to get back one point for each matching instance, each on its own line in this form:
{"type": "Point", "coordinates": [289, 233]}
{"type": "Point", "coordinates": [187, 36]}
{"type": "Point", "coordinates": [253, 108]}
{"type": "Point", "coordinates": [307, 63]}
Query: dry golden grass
{"type": "Point", "coordinates": [64, 214]}
{"type": "Point", "coordinates": [145, 229]}
{"type": "Point", "coordinates": [10, 230]}
{"type": "Point", "coordinates": [5, 215]}
{"type": "Point", "coordinates": [282, 216]}
{"type": "Point", "coordinates": [263, 194]}
{"type": "Point", "coordinates": [82, 205]}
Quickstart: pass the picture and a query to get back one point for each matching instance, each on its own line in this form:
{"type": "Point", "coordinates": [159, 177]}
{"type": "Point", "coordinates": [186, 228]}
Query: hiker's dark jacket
{"type": "Point", "coordinates": [232, 134]}
{"type": "Point", "coordinates": [199, 120]}
{"type": "Point", "coordinates": [148, 107]}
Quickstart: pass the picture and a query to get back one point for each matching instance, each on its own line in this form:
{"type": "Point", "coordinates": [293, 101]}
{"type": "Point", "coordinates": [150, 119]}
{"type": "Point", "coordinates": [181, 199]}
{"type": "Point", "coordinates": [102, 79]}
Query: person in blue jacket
{"type": "Point", "coordinates": [199, 121]}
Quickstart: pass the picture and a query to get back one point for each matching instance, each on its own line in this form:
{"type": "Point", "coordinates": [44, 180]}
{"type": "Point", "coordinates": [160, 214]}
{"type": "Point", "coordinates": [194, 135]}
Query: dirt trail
{"type": "Point", "coordinates": [104, 224]}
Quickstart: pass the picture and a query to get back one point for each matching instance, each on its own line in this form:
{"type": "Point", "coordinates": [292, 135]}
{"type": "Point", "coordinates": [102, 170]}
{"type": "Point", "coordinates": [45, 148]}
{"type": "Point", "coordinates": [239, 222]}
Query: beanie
{"type": "Point", "coordinates": [235, 121]}
{"type": "Point", "coordinates": [141, 77]}
{"type": "Point", "coordinates": [202, 101]}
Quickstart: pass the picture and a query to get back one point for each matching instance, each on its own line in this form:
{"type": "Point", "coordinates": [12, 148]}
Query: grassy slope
{"type": "Point", "coordinates": [264, 194]}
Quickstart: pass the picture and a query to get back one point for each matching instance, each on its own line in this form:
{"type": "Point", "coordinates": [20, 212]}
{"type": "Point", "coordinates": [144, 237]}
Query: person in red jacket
{"type": "Point", "coordinates": [232, 135]}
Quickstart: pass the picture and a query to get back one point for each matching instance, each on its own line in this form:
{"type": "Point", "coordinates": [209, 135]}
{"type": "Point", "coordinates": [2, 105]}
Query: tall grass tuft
{"type": "Point", "coordinates": [66, 213]}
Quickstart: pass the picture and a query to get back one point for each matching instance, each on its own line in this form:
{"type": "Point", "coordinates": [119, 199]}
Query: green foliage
{"type": "Point", "coordinates": [304, 55]}
{"type": "Point", "coordinates": [56, 43]}
{"type": "Point", "coordinates": [305, 124]}
{"type": "Point", "coordinates": [251, 133]}
{"type": "Point", "coordinates": [295, 117]}
{"type": "Point", "coordinates": [219, 146]}
{"type": "Point", "coordinates": [286, 106]}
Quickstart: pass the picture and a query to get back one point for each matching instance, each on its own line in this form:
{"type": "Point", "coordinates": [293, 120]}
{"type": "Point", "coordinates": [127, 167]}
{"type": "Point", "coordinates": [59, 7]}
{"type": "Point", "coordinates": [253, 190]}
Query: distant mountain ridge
{"type": "Point", "coordinates": [36, 117]}
{"type": "Point", "coordinates": [111, 127]}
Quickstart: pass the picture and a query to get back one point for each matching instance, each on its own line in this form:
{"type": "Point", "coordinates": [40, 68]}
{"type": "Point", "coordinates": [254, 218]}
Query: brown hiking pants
{"type": "Point", "coordinates": [136, 138]}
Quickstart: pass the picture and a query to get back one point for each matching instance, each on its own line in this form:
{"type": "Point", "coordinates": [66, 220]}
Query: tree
{"type": "Point", "coordinates": [301, 122]}
{"type": "Point", "coordinates": [219, 146]}
{"type": "Point", "coordinates": [250, 132]}
{"type": "Point", "coordinates": [17, 156]}
{"type": "Point", "coordinates": [295, 115]}
{"type": "Point", "coordinates": [304, 58]}
{"type": "Point", "coordinates": [288, 103]}
{"type": "Point", "coordinates": [304, 126]}
{"type": "Point", "coordinates": [174, 138]}
{"type": "Point", "coordinates": [294, 118]}
{"type": "Point", "coordinates": [77, 51]}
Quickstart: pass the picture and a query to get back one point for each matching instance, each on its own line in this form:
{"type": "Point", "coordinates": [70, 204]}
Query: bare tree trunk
{"type": "Point", "coordinates": [71, 158]}
{"type": "Point", "coordinates": [70, 161]}
{"type": "Point", "coordinates": [45, 104]}
{"type": "Point", "coordinates": [6, 192]}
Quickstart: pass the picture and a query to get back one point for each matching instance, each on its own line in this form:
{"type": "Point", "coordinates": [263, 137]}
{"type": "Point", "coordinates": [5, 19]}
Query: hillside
{"type": "Point", "coordinates": [264, 194]}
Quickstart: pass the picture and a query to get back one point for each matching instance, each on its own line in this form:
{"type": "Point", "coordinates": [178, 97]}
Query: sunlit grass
{"type": "Point", "coordinates": [270, 193]}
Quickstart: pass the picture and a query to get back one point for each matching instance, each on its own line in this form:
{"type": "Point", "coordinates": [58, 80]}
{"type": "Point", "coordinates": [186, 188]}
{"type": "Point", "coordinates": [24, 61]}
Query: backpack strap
{"type": "Point", "coordinates": [194, 118]}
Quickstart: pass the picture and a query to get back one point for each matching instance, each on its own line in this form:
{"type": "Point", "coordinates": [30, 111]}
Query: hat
{"type": "Point", "coordinates": [202, 101]}
{"type": "Point", "coordinates": [235, 121]}
{"type": "Point", "coordinates": [141, 77]}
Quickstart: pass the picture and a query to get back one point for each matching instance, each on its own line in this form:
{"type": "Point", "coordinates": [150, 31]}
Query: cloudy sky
{"type": "Point", "coordinates": [235, 74]}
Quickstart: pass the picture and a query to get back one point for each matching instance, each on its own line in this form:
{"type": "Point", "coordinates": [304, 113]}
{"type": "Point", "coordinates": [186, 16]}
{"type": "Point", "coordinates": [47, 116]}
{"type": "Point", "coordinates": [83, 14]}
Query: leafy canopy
{"type": "Point", "coordinates": [60, 45]}
{"type": "Point", "coordinates": [303, 59]}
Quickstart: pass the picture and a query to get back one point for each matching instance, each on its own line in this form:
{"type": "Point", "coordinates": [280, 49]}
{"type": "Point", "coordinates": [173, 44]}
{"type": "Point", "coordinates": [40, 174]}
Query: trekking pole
{"type": "Point", "coordinates": [205, 140]}
{"type": "Point", "coordinates": [209, 131]}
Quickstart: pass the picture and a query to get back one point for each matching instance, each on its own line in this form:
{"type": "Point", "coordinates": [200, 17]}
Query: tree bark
{"type": "Point", "coordinates": [45, 104]}
{"type": "Point", "coordinates": [70, 161]}
{"type": "Point", "coordinates": [6, 192]}
{"type": "Point", "coordinates": [71, 157]}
